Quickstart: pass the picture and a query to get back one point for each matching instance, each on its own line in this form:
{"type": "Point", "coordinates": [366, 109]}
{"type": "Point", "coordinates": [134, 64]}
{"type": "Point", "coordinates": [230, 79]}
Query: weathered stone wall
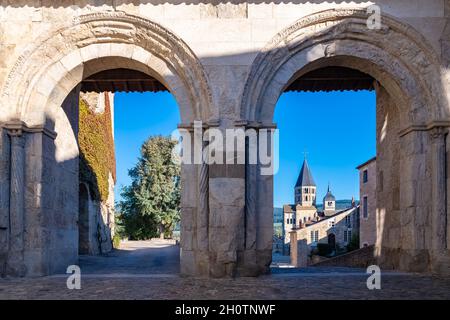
{"type": "Point", "coordinates": [226, 64]}
{"type": "Point", "coordinates": [97, 169]}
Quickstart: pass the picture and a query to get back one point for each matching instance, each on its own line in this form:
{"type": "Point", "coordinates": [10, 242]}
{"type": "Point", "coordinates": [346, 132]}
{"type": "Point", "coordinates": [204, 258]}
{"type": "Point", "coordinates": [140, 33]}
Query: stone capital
{"type": "Point", "coordinates": [254, 124]}
{"type": "Point", "coordinates": [15, 132]}
{"type": "Point", "coordinates": [438, 133]}
{"type": "Point", "coordinates": [204, 125]}
{"type": "Point", "coordinates": [16, 128]}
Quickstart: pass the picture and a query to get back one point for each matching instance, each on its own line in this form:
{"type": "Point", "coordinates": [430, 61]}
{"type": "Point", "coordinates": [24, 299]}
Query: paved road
{"type": "Point", "coordinates": [149, 270]}
{"type": "Point", "coordinates": [135, 257]}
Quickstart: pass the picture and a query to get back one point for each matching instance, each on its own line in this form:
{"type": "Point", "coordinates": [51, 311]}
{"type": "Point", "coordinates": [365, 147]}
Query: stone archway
{"type": "Point", "coordinates": [409, 84]}
{"type": "Point", "coordinates": [44, 151]}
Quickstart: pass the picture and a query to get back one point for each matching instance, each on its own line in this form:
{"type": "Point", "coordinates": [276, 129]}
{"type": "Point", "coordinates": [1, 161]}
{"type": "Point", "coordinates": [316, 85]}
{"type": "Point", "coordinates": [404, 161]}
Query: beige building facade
{"type": "Point", "coordinates": [335, 230]}
{"type": "Point", "coordinates": [368, 202]}
{"type": "Point", "coordinates": [226, 63]}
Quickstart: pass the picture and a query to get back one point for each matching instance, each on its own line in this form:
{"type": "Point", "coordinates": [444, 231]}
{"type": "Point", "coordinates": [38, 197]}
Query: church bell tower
{"type": "Point", "coordinates": [305, 188]}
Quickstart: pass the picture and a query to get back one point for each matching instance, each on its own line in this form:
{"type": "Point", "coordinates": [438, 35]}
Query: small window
{"type": "Point", "coordinates": [365, 176]}
{"type": "Point", "coordinates": [287, 221]}
{"type": "Point", "coordinates": [365, 204]}
{"type": "Point", "coordinates": [312, 236]}
{"type": "Point", "coordinates": [317, 235]}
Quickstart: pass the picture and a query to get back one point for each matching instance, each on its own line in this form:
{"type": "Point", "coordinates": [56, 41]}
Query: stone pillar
{"type": "Point", "coordinates": [302, 253]}
{"type": "Point", "coordinates": [247, 259]}
{"type": "Point", "coordinates": [227, 213]}
{"type": "Point", "coordinates": [15, 264]}
{"type": "Point", "coordinates": [256, 257]}
{"type": "Point", "coordinates": [299, 250]}
{"type": "Point", "coordinates": [294, 248]}
{"type": "Point", "coordinates": [439, 202]}
{"type": "Point", "coordinates": [195, 204]}
{"type": "Point", "coordinates": [264, 207]}
{"type": "Point", "coordinates": [189, 256]}
{"type": "Point", "coordinates": [4, 198]}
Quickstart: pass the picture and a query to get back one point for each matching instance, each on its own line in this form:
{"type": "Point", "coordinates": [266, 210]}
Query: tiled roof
{"type": "Point", "coordinates": [289, 208]}
{"type": "Point", "coordinates": [329, 196]}
{"type": "Point", "coordinates": [305, 178]}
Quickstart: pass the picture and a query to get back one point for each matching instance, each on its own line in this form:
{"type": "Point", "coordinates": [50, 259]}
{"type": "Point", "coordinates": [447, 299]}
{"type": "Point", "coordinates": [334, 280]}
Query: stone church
{"type": "Point", "coordinates": [331, 226]}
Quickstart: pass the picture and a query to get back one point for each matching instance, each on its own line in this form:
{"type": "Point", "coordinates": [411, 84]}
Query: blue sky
{"type": "Point", "coordinates": [136, 117]}
{"type": "Point", "coordinates": [337, 130]}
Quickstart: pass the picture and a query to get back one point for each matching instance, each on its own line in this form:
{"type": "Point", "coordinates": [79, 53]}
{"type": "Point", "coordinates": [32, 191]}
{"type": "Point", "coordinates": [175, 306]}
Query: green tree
{"type": "Point", "coordinates": [150, 206]}
{"type": "Point", "coordinates": [354, 243]}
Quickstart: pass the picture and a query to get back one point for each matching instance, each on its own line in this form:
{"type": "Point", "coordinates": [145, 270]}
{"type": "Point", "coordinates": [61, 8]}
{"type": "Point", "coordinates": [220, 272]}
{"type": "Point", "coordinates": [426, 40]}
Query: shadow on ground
{"type": "Point", "coordinates": [135, 257]}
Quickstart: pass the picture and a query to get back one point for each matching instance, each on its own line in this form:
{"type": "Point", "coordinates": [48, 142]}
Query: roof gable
{"type": "Point", "coordinates": [305, 178]}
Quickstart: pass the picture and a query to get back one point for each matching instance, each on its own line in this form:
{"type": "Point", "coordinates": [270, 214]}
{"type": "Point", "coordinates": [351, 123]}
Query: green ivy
{"type": "Point", "coordinates": [97, 158]}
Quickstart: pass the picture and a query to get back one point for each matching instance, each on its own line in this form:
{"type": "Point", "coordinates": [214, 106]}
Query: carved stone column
{"type": "Point", "coordinates": [257, 254]}
{"type": "Point", "coordinates": [194, 259]}
{"type": "Point", "coordinates": [438, 171]}
{"type": "Point", "coordinates": [15, 264]}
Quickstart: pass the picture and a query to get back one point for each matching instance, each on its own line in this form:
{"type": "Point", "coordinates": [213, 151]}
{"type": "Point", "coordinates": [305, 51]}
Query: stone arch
{"type": "Point", "coordinates": [39, 106]}
{"type": "Point", "coordinates": [395, 55]}
{"type": "Point", "coordinates": [45, 74]}
{"type": "Point", "coordinates": [408, 82]}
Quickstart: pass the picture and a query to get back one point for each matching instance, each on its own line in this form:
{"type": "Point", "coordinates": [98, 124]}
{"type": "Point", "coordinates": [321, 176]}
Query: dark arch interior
{"type": "Point", "coordinates": [121, 80]}
{"type": "Point", "coordinates": [332, 78]}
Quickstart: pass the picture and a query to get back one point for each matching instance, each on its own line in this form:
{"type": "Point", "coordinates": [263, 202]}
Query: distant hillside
{"type": "Point", "coordinates": [340, 204]}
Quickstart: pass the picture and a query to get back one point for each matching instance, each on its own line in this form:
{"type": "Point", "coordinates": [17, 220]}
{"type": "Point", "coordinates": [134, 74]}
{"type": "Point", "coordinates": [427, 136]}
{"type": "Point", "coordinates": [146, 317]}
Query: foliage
{"type": "Point", "coordinates": [150, 206]}
{"type": "Point", "coordinates": [354, 243]}
{"type": "Point", "coordinates": [278, 230]}
{"type": "Point", "coordinates": [97, 159]}
{"type": "Point", "coordinates": [116, 241]}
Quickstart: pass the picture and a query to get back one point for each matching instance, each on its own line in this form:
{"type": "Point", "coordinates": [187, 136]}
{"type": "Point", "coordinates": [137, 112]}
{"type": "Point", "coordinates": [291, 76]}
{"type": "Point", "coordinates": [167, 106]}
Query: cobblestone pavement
{"type": "Point", "coordinates": [136, 257]}
{"type": "Point", "coordinates": [149, 271]}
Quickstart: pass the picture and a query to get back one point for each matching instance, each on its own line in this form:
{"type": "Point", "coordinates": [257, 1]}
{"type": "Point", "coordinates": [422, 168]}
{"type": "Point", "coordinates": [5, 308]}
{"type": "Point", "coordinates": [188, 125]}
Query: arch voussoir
{"type": "Point", "coordinates": [109, 34]}
{"type": "Point", "coordinates": [395, 49]}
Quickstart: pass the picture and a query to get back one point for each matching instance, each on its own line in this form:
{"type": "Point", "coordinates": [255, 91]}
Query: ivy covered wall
{"type": "Point", "coordinates": [96, 142]}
